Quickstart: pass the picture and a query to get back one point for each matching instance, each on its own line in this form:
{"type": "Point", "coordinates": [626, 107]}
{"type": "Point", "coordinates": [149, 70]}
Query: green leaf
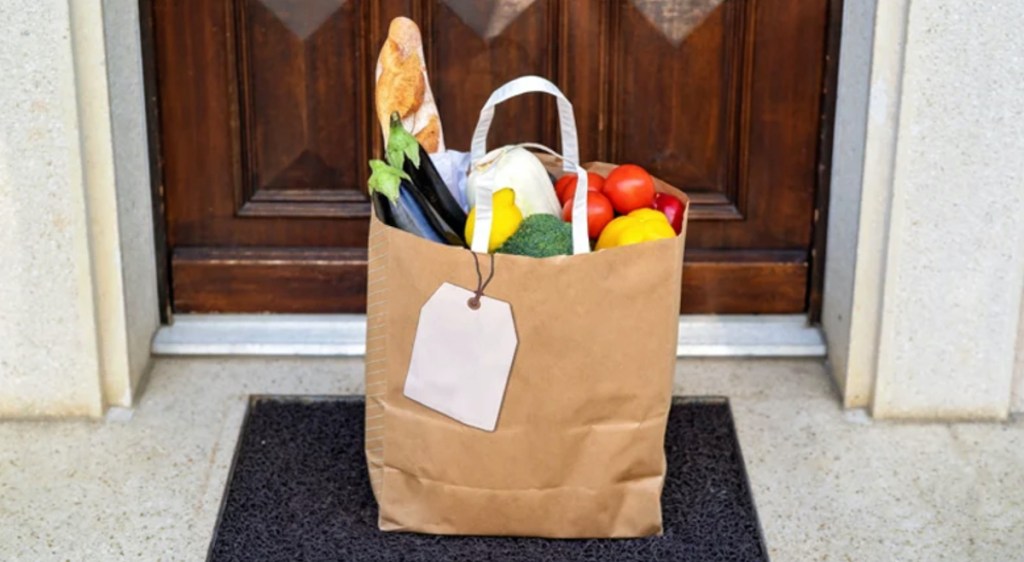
{"type": "Point", "coordinates": [385, 179]}
{"type": "Point", "coordinates": [401, 144]}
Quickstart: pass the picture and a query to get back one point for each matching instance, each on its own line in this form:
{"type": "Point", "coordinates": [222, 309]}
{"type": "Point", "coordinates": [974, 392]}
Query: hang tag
{"type": "Point", "coordinates": [462, 356]}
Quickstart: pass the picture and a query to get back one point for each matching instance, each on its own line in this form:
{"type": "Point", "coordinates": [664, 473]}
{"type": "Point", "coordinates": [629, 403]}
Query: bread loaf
{"type": "Point", "coordinates": [402, 86]}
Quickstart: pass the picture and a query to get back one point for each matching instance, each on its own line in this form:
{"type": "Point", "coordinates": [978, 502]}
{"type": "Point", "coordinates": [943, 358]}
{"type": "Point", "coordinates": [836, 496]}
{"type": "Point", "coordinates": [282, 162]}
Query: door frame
{"type": "Point", "coordinates": [823, 179]}
{"type": "Point", "coordinates": [147, 35]}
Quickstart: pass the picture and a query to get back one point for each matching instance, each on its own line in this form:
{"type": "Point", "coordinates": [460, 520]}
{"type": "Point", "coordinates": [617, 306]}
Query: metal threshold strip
{"type": "Point", "coordinates": [340, 335]}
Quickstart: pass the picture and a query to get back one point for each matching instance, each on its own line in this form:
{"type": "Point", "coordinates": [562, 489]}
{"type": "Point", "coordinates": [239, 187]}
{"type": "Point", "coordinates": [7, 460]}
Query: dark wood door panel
{"type": "Point", "coordinates": [267, 122]}
{"type": "Point", "coordinates": [269, 280]}
{"type": "Point", "coordinates": [258, 157]}
{"type": "Point", "coordinates": [778, 164]}
{"type": "Point", "coordinates": [729, 115]}
{"type": "Point", "coordinates": [301, 74]}
{"type": "Point", "coordinates": [696, 85]}
{"type": "Point", "coordinates": [726, 109]}
{"type": "Point", "coordinates": [196, 118]}
{"type": "Point", "coordinates": [765, 282]}
{"type": "Point", "coordinates": [474, 48]}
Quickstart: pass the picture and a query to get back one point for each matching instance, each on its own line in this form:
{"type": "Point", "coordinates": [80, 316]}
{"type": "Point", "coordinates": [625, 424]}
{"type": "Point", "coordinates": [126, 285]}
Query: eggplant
{"type": "Point", "coordinates": [432, 215]}
{"type": "Point", "coordinates": [395, 202]}
{"type": "Point", "coordinates": [382, 208]}
{"type": "Point", "coordinates": [410, 217]}
{"type": "Point", "coordinates": [428, 182]}
{"type": "Point", "coordinates": [405, 152]}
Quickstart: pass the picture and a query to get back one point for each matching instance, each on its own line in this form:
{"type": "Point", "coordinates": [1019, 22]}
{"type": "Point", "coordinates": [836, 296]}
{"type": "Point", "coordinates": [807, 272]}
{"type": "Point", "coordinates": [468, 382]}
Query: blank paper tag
{"type": "Point", "coordinates": [461, 357]}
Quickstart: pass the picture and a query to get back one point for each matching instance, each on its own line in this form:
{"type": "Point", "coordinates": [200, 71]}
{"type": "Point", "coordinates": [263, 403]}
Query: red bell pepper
{"type": "Point", "coordinates": [673, 209]}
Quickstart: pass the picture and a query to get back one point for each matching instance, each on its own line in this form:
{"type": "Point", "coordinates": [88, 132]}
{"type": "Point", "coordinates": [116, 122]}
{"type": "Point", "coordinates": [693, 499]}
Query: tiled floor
{"type": "Point", "coordinates": [828, 485]}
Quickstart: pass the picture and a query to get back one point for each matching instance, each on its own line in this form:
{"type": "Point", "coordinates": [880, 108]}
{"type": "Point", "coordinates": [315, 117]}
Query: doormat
{"type": "Point", "coordinates": [299, 490]}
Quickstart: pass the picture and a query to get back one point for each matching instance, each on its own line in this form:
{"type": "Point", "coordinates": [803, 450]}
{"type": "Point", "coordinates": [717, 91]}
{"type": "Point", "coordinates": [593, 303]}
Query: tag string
{"type": "Point", "coordinates": [481, 283]}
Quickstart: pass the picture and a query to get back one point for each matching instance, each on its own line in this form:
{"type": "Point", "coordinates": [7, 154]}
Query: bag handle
{"type": "Point", "coordinates": [525, 85]}
{"type": "Point", "coordinates": [485, 205]}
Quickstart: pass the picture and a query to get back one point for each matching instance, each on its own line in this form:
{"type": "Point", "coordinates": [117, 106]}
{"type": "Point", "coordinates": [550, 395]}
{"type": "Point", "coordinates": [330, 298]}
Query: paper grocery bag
{"type": "Point", "coordinates": [578, 450]}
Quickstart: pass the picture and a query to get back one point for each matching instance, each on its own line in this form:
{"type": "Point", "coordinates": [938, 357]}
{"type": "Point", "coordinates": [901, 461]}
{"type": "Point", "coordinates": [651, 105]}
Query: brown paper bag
{"type": "Point", "coordinates": [579, 446]}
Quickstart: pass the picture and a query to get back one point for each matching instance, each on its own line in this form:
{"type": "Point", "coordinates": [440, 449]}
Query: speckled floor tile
{"type": "Point", "coordinates": [148, 488]}
{"type": "Point", "coordinates": [835, 486]}
{"type": "Point", "coordinates": [829, 485]}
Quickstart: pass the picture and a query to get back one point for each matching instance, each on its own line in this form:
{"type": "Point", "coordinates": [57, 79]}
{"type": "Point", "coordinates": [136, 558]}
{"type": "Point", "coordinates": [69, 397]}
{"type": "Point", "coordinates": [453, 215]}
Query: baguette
{"type": "Point", "coordinates": [402, 86]}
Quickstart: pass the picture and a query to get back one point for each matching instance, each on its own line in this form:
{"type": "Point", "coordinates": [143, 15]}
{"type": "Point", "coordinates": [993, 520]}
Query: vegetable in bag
{"type": "Point", "coordinates": [395, 202]}
{"type": "Point", "coordinates": [515, 167]}
{"type": "Point", "coordinates": [540, 236]}
{"type": "Point", "coordinates": [506, 219]}
{"type": "Point", "coordinates": [408, 155]}
{"type": "Point", "coordinates": [641, 225]}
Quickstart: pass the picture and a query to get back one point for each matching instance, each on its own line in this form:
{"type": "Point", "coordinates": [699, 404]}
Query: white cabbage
{"type": "Point", "coordinates": [519, 169]}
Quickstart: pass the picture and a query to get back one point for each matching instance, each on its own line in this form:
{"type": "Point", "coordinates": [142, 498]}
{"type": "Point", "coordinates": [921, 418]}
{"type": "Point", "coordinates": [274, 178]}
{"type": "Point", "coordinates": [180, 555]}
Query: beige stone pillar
{"type": "Point", "coordinates": [922, 312]}
{"type": "Point", "coordinates": [77, 269]}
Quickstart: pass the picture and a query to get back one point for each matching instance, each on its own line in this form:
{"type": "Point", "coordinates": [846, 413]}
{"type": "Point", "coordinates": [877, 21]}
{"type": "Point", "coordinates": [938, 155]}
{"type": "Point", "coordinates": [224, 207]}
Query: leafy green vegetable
{"type": "Point", "coordinates": [540, 236]}
{"type": "Point", "coordinates": [401, 144]}
{"type": "Point", "coordinates": [385, 179]}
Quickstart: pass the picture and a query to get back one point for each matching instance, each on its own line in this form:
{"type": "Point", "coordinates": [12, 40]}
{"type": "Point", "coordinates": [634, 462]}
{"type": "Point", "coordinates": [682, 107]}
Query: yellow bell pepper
{"type": "Point", "coordinates": [507, 218]}
{"type": "Point", "coordinates": [638, 226]}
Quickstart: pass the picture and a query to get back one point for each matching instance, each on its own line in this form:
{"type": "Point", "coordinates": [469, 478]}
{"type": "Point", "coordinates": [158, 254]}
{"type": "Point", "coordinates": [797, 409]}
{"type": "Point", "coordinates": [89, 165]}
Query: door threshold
{"type": "Point", "coordinates": [344, 335]}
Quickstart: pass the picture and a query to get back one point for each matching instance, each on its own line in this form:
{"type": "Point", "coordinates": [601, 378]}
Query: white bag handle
{"type": "Point", "coordinates": [571, 158]}
{"type": "Point", "coordinates": [485, 204]}
{"type": "Point", "coordinates": [525, 85]}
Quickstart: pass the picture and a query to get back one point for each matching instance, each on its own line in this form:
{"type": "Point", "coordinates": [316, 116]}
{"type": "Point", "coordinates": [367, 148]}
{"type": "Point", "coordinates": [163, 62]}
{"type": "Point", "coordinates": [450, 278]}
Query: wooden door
{"type": "Point", "coordinates": [266, 125]}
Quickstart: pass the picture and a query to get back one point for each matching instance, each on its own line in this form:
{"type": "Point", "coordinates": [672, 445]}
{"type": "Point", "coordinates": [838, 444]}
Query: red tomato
{"type": "Point", "coordinates": [562, 183]}
{"type": "Point", "coordinates": [599, 212]}
{"type": "Point", "coordinates": [565, 187]}
{"type": "Point", "coordinates": [629, 187]}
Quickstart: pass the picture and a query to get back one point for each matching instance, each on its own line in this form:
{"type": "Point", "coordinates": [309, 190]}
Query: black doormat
{"type": "Point", "coordinates": [299, 490]}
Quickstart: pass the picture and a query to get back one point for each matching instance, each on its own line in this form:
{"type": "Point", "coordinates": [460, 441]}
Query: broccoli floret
{"type": "Point", "coordinates": [540, 236]}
